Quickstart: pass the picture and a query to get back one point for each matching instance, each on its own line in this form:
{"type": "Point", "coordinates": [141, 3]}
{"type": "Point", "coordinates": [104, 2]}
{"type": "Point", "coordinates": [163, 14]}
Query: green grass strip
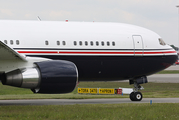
{"type": "Point", "coordinates": [169, 72]}
{"type": "Point", "coordinates": [156, 111]}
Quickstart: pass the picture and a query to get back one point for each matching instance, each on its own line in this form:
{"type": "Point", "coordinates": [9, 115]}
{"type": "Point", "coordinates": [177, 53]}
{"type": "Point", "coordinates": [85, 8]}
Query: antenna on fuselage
{"type": "Point", "coordinates": [38, 18]}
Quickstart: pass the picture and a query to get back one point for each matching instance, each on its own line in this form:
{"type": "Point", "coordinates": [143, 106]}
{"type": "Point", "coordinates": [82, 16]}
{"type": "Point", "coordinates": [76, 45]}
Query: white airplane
{"type": "Point", "coordinates": [51, 57]}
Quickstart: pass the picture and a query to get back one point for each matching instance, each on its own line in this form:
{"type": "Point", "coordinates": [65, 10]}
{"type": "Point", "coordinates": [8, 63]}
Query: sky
{"type": "Point", "coordinates": [160, 16]}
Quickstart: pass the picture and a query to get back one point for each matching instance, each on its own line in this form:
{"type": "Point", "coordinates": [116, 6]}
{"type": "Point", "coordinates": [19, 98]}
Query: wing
{"type": "Point", "coordinates": [7, 53]}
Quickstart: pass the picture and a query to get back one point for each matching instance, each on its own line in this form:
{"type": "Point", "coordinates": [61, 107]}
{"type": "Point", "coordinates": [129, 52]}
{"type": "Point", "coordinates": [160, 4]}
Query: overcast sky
{"type": "Point", "coordinates": [160, 16]}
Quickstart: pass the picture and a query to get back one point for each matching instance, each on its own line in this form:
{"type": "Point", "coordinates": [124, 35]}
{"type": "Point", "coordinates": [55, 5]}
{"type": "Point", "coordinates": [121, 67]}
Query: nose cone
{"type": "Point", "coordinates": [172, 57]}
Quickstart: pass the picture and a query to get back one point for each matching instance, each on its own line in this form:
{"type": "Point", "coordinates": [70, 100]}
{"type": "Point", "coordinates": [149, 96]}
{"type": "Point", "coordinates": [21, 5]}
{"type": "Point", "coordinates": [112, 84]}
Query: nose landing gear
{"type": "Point", "coordinates": [136, 95]}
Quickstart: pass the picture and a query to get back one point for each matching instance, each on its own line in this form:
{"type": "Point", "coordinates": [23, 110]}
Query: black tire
{"type": "Point", "coordinates": [138, 96]}
{"type": "Point", "coordinates": [132, 97]}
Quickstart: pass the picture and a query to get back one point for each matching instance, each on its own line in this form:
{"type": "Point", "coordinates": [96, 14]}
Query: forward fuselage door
{"type": "Point", "coordinates": [138, 45]}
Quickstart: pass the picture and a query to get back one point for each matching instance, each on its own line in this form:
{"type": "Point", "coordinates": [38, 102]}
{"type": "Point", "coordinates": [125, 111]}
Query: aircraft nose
{"type": "Point", "coordinates": [174, 56]}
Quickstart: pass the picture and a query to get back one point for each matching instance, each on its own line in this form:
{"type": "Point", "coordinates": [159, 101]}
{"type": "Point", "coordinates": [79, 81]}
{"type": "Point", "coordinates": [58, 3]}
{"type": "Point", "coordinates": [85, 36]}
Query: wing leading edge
{"type": "Point", "coordinates": [7, 53]}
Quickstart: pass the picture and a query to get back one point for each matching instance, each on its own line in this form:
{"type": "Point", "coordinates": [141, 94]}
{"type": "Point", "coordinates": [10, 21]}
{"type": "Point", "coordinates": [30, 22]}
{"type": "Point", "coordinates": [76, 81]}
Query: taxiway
{"type": "Point", "coordinates": [85, 101]}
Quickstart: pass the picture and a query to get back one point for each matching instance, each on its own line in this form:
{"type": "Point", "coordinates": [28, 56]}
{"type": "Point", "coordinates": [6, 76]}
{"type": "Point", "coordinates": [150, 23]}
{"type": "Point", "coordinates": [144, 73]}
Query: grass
{"type": "Point", "coordinates": [152, 90]}
{"type": "Point", "coordinates": [169, 72]}
{"type": "Point", "coordinates": [168, 111]}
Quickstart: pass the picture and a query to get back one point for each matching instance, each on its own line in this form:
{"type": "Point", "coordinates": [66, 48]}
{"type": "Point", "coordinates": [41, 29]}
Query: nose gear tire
{"type": "Point", "coordinates": [136, 96]}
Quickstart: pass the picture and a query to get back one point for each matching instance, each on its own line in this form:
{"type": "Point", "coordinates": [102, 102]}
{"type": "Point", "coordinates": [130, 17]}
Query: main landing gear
{"type": "Point", "coordinates": [136, 95]}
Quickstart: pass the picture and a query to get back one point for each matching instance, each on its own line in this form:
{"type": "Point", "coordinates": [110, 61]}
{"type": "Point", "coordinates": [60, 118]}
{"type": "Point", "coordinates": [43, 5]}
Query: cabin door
{"type": "Point", "coordinates": [138, 45]}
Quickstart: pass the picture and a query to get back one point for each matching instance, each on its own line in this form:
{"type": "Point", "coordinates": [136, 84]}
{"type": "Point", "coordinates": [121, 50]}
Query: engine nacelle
{"type": "Point", "coordinates": [56, 76]}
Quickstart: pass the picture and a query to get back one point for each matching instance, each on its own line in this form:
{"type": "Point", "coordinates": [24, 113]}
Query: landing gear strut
{"type": "Point", "coordinates": [136, 95]}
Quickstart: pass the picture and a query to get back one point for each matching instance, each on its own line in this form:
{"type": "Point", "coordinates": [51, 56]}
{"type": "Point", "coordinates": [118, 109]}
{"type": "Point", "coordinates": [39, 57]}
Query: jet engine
{"type": "Point", "coordinates": [55, 76]}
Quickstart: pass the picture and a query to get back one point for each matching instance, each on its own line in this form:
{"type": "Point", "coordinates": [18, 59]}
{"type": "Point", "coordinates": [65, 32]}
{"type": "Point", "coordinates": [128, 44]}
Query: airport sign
{"type": "Point", "coordinates": [106, 91]}
{"type": "Point", "coordinates": [93, 90]}
{"type": "Point", "coordinates": [83, 90]}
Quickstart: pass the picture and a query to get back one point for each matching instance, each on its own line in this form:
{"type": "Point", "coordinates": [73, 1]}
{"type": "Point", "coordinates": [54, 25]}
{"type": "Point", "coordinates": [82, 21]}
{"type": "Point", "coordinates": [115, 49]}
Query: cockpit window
{"type": "Point", "coordinates": [161, 42]}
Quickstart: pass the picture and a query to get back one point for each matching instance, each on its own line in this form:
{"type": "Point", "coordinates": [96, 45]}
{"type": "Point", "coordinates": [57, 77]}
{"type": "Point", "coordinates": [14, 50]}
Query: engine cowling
{"type": "Point", "coordinates": [56, 76]}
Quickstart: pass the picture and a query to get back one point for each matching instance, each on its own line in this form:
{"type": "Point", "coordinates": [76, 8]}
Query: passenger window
{"type": "Point", "coordinates": [64, 43]}
{"type": "Point", "coordinates": [75, 43]}
{"type": "Point", "coordinates": [11, 42]}
{"type": "Point", "coordinates": [80, 42]}
{"type": "Point", "coordinates": [102, 43]}
{"type": "Point", "coordinates": [46, 42]}
{"type": "Point", "coordinates": [86, 43]}
{"type": "Point", "coordinates": [97, 43]}
{"type": "Point", "coordinates": [5, 41]}
{"type": "Point", "coordinates": [17, 42]}
{"type": "Point", "coordinates": [113, 43]}
{"type": "Point", "coordinates": [58, 42]}
{"type": "Point", "coordinates": [108, 43]}
{"type": "Point", "coordinates": [91, 43]}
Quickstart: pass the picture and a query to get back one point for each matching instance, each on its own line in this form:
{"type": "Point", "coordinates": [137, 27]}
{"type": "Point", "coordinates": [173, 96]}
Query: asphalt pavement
{"type": "Point", "coordinates": [173, 67]}
{"type": "Point", "coordinates": [86, 101]}
{"type": "Point", "coordinates": [164, 78]}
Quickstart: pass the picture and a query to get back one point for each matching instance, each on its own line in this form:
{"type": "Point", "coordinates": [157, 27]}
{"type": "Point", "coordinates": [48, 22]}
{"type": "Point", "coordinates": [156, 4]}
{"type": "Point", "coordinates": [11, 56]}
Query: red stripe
{"type": "Point", "coordinates": [159, 52]}
{"type": "Point", "coordinates": [37, 52]}
{"type": "Point", "coordinates": [96, 52]}
{"type": "Point", "coordinates": [56, 52]}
